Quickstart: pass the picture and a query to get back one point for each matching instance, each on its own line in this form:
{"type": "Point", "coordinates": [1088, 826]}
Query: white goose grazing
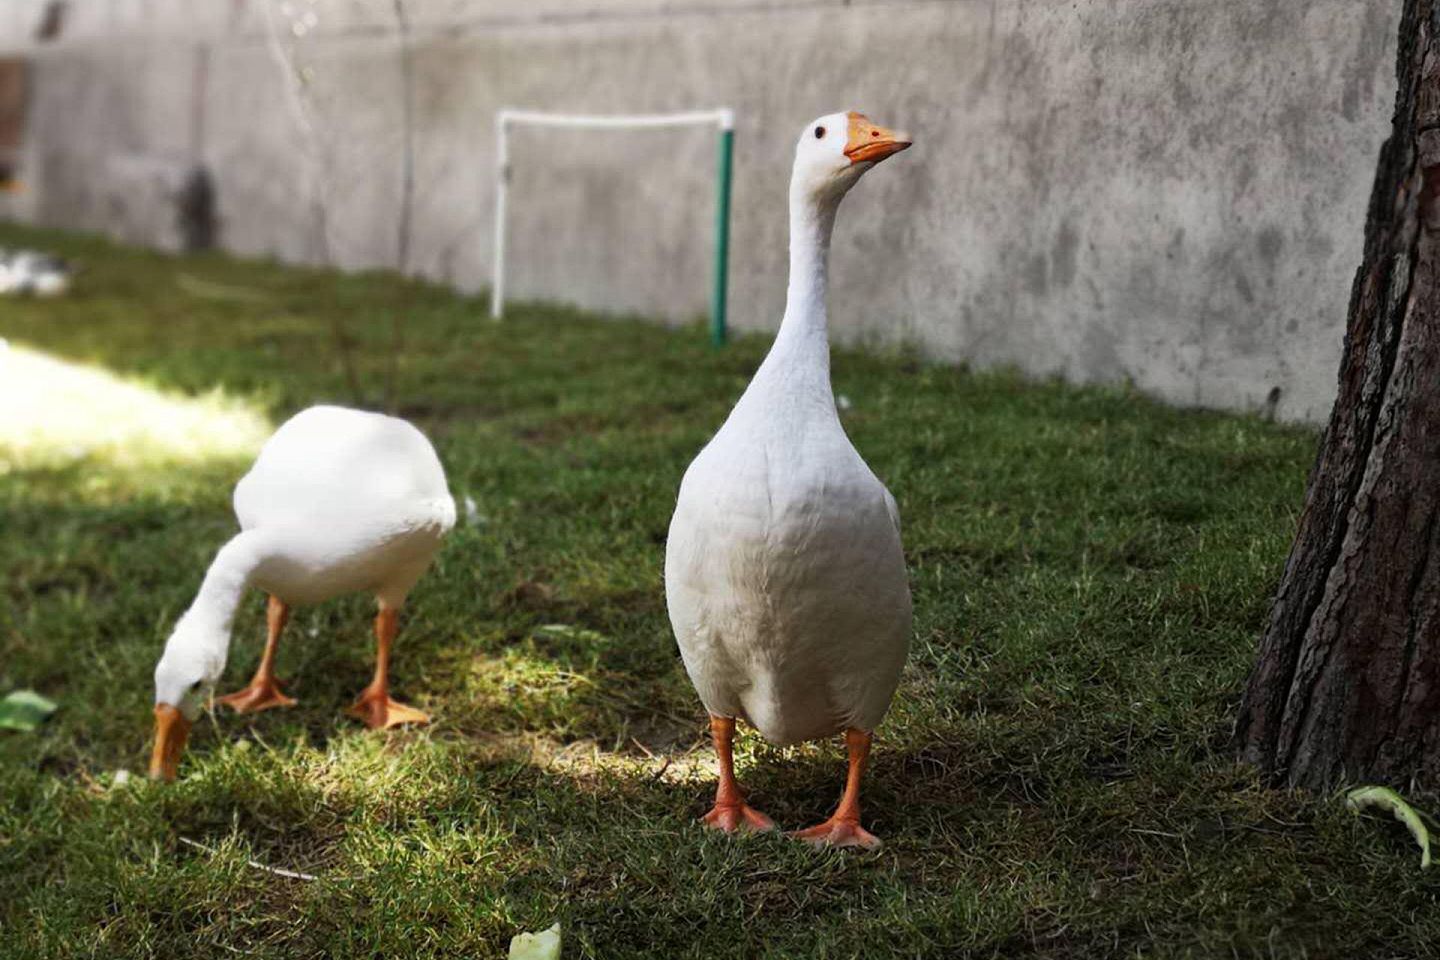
{"type": "Point", "coordinates": [784, 574]}
{"type": "Point", "coordinates": [339, 501]}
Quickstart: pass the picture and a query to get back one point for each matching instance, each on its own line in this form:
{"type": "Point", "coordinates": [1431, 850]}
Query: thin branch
{"type": "Point", "coordinates": [278, 871]}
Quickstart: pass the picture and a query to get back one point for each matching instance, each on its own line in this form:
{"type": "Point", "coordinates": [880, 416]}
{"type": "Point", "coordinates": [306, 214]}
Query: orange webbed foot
{"type": "Point", "coordinates": [379, 712]}
{"type": "Point", "coordinates": [733, 817]}
{"type": "Point", "coordinates": [260, 695]}
{"type": "Point", "coordinates": [839, 833]}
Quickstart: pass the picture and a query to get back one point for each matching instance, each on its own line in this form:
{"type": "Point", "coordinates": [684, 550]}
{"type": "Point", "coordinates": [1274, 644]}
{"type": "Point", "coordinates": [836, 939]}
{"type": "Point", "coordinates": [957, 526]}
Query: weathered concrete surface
{"type": "Point", "coordinates": [1170, 193]}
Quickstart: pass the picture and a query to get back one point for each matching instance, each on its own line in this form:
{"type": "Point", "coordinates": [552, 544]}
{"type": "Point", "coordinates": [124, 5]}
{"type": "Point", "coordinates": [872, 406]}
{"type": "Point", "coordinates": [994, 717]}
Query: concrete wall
{"type": "Point", "coordinates": [1169, 191]}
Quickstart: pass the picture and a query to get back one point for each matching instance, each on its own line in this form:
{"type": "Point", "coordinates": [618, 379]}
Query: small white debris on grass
{"type": "Point", "coordinates": [29, 273]}
{"type": "Point", "coordinates": [121, 778]}
{"type": "Point", "coordinates": [842, 401]}
{"type": "Point", "coordinates": [544, 945]}
{"type": "Point", "coordinates": [472, 512]}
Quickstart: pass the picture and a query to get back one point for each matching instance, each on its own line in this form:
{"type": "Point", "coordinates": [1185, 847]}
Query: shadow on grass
{"type": "Point", "coordinates": [471, 838]}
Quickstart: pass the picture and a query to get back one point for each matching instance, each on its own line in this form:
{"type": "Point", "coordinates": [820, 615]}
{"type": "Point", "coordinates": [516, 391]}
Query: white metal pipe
{"type": "Point", "coordinates": [502, 193]}
{"type": "Point", "coordinates": [723, 118]}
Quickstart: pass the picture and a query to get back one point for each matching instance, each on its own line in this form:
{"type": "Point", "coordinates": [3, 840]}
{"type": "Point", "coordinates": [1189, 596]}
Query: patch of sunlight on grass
{"type": "Point", "coordinates": [54, 412]}
{"type": "Point", "coordinates": [526, 689]}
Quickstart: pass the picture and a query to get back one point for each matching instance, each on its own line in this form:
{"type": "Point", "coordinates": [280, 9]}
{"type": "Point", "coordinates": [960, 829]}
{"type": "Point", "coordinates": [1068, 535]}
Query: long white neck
{"type": "Point", "coordinates": [204, 631]}
{"type": "Point", "coordinates": [799, 359]}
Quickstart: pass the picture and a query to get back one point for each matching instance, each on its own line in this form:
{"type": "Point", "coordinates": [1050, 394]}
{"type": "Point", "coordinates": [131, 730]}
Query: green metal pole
{"type": "Point", "coordinates": [722, 238]}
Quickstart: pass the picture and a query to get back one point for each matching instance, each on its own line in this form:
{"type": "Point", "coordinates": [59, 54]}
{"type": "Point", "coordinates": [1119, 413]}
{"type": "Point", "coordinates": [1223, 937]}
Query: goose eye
{"type": "Point", "coordinates": [819, 132]}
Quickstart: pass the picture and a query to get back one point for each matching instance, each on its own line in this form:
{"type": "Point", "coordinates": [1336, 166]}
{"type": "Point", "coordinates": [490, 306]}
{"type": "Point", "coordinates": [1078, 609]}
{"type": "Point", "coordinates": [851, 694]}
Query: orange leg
{"type": "Point", "coordinates": [375, 706]}
{"type": "Point", "coordinates": [731, 812]}
{"type": "Point", "coordinates": [843, 828]}
{"type": "Point", "coordinates": [264, 692]}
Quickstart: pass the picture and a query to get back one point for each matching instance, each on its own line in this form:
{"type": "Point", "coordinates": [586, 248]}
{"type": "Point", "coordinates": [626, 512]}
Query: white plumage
{"type": "Point", "coordinates": [784, 574]}
{"type": "Point", "coordinates": [338, 501]}
{"type": "Point", "coordinates": [344, 501]}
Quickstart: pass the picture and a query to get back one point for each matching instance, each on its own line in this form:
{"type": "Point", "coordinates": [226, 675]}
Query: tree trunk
{"type": "Point", "coordinates": [1347, 687]}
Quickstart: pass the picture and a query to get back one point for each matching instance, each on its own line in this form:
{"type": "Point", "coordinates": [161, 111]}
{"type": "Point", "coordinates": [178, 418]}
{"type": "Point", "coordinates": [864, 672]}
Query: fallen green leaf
{"type": "Point", "coordinates": [1386, 799]}
{"type": "Point", "coordinates": [544, 945]}
{"type": "Point", "coordinates": [24, 710]}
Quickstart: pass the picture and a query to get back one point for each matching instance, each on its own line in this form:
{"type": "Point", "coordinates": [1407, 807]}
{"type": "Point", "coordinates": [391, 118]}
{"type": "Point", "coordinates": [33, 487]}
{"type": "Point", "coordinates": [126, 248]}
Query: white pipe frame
{"type": "Point", "coordinates": [723, 119]}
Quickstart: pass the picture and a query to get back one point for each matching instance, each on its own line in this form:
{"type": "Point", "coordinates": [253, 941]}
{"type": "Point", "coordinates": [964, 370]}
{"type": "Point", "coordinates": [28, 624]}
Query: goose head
{"type": "Point", "coordinates": [184, 679]}
{"type": "Point", "coordinates": [835, 150]}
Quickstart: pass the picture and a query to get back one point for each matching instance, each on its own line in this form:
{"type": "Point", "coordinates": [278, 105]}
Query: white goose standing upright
{"type": "Point", "coordinates": [784, 573]}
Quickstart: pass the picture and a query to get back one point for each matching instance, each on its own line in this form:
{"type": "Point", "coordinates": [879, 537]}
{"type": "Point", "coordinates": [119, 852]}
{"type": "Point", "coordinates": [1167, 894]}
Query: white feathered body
{"type": "Point", "coordinates": [345, 501]}
{"type": "Point", "coordinates": [784, 573]}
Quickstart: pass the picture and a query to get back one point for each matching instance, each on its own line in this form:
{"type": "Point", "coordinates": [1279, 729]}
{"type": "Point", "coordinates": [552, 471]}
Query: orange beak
{"type": "Point", "coordinates": [870, 141]}
{"type": "Point", "coordinates": [171, 732]}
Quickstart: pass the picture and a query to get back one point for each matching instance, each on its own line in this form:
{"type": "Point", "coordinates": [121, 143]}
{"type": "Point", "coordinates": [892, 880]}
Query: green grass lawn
{"type": "Point", "coordinates": [1090, 571]}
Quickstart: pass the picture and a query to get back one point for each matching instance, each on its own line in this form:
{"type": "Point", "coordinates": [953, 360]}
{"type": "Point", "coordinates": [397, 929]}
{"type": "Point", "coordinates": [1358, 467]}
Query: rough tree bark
{"type": "Point", "coordinates": [1347, 686]}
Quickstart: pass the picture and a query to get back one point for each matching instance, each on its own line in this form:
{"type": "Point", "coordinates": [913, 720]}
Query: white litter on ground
{"type": "Point", "coordinates": [544, 945]}
{"type": "Point", "coordinates": [26, 272]}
